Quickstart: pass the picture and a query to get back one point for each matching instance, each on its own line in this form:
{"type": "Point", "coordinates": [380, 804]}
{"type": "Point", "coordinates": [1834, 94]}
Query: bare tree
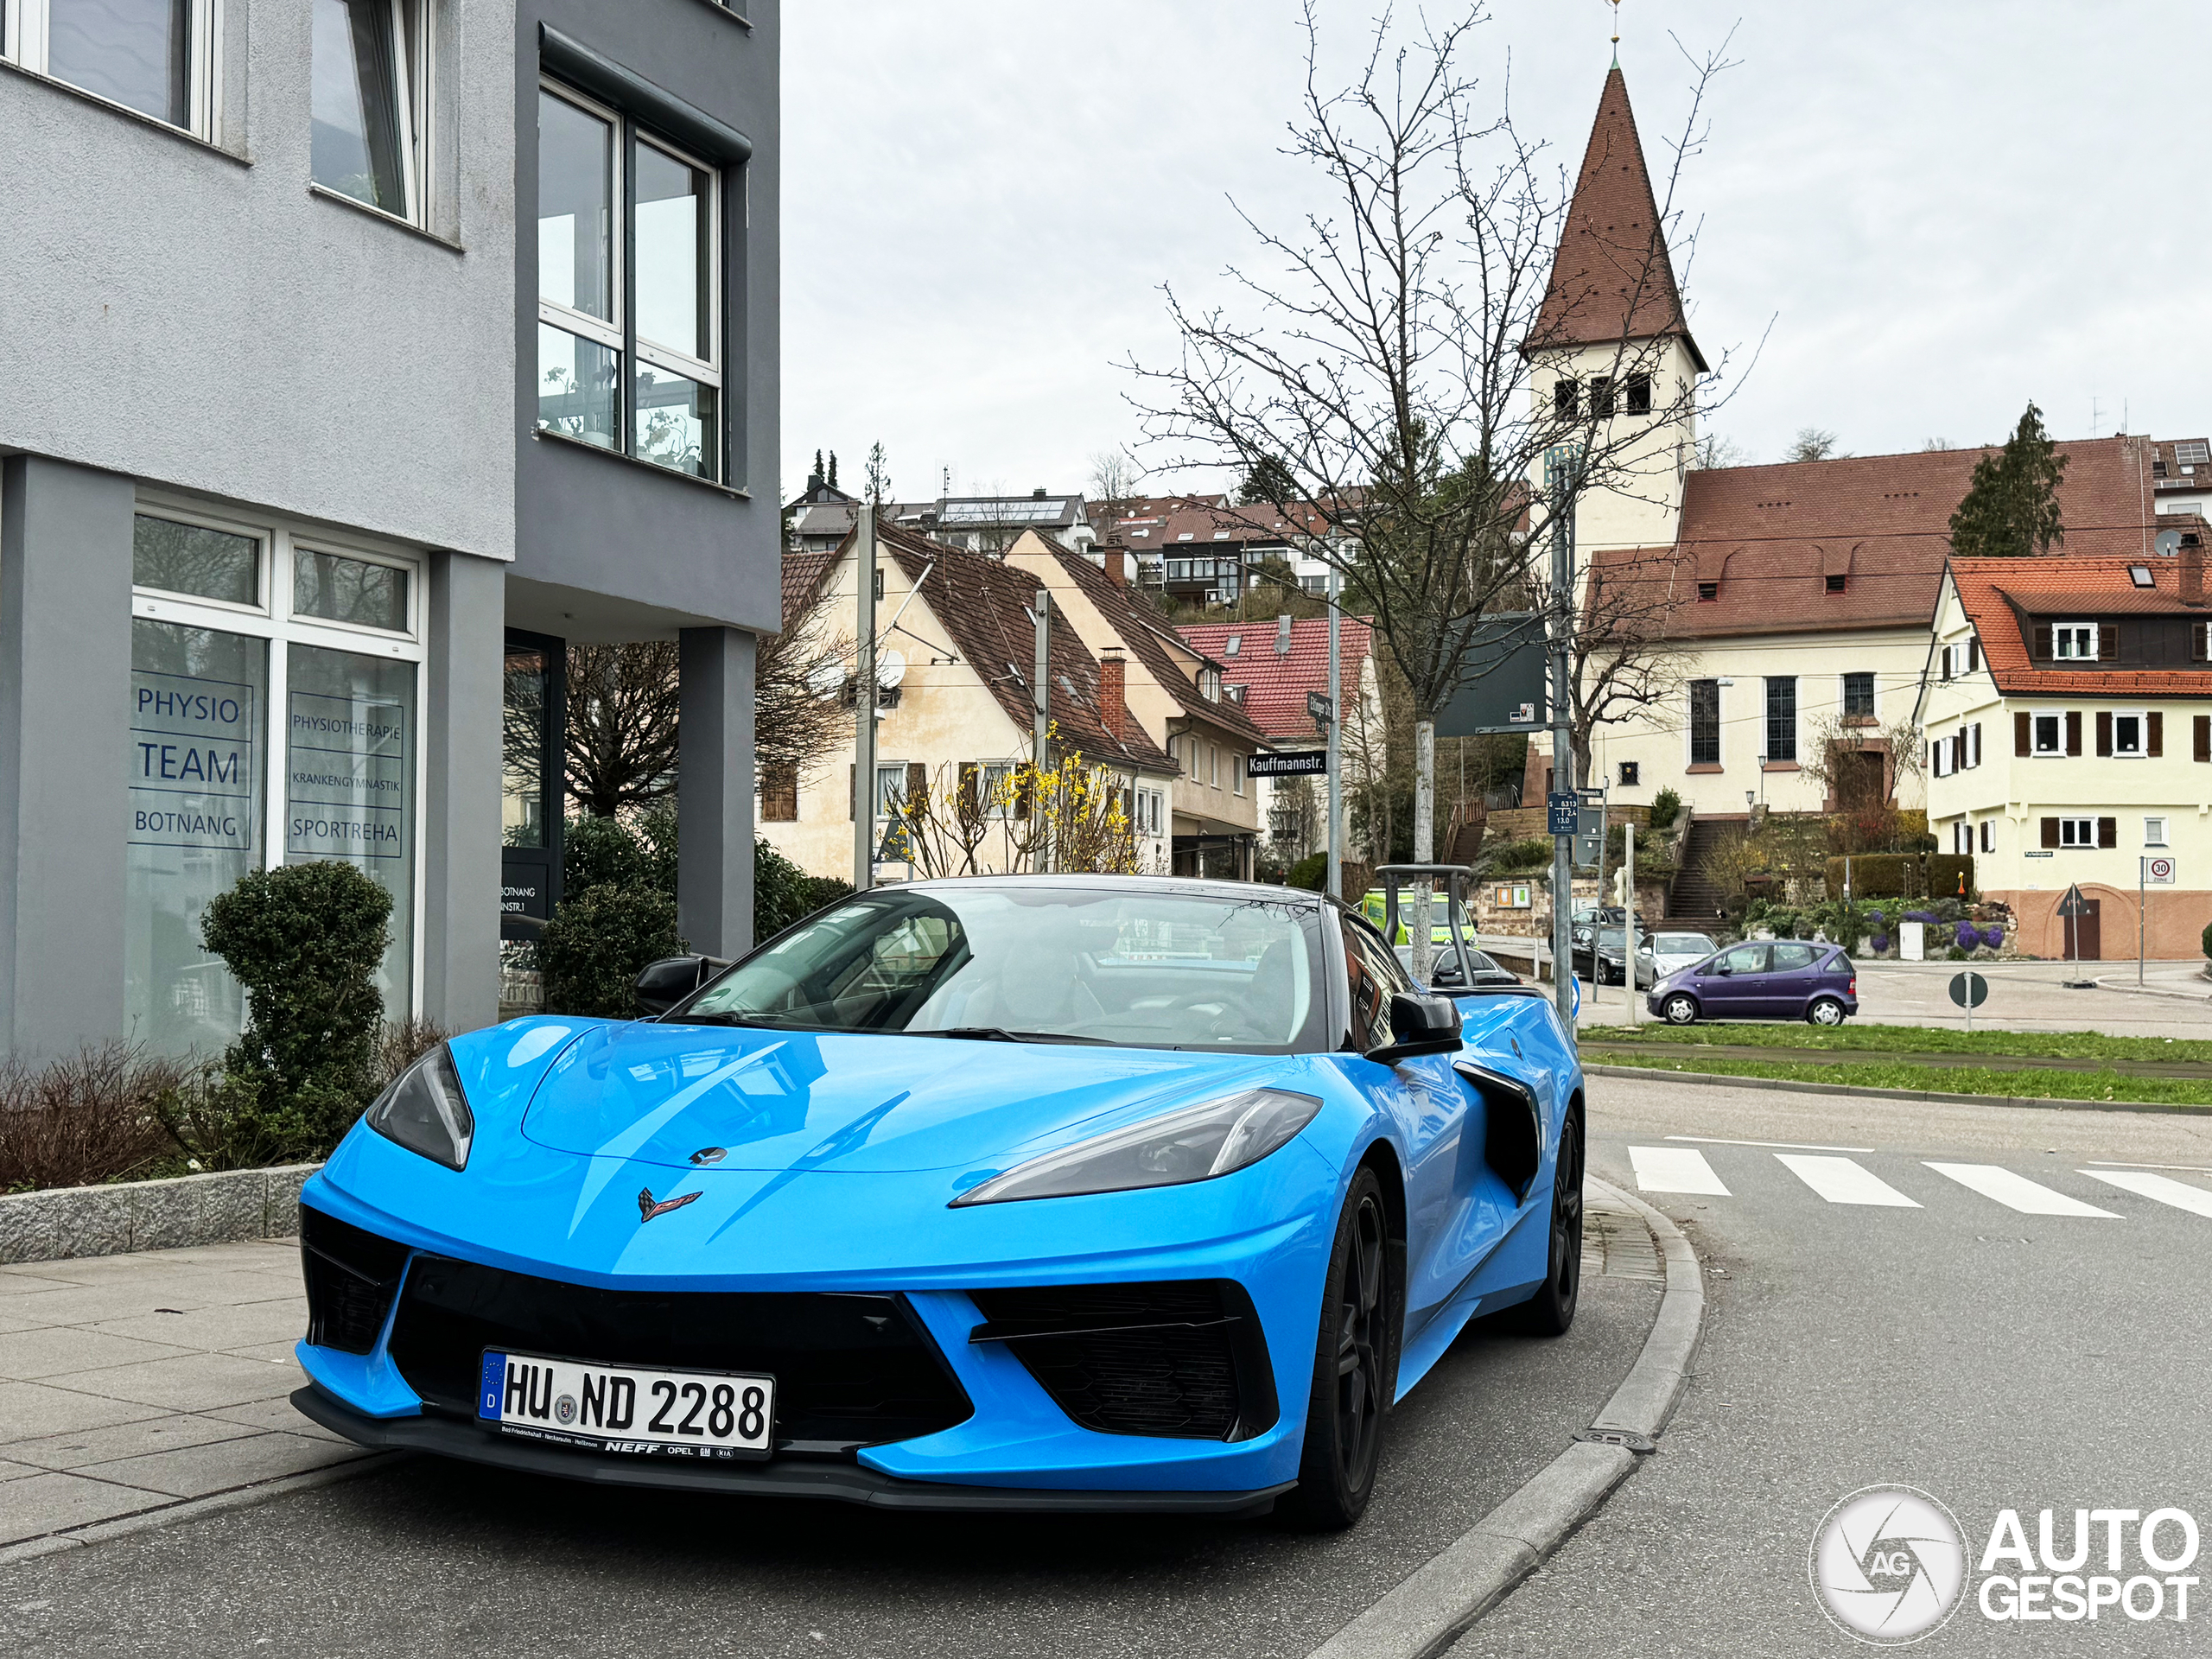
{"type": "Point", "coordinates": [1626, 661]}
{"type": "Point", "coordinates": [1114, 481]}
{"type": "Point", "coordinates": [1390, 374]}
{"type": "Point", "coordinates": [1813, 443]}
{"type": "Point", "coordinates": [799, 717]}
{"type": "Point", "coordinates": [878, 487]}
{"type": "Point", "coordinates": [620, 747]}
{"type": "Point", "coordinates": [1715, 450]}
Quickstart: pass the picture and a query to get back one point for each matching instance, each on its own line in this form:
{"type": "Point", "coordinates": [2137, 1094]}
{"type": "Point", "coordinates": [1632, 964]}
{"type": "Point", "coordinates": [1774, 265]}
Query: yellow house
{"type": "Point", "coordinates": [956, 652]}
{"type": "Point", "coordinates": [2068, 708]}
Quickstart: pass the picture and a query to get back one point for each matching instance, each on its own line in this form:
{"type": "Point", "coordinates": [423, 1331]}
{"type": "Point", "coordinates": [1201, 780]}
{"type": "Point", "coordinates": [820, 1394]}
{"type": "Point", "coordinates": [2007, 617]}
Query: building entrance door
{"type": "Point", "coordinates": [2089, 932]}
{"type": "Point", "coordinates": [535, 717]}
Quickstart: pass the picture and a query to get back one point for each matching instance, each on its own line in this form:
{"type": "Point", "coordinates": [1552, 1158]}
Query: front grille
{"type": "Point", "coordinates": [350, 1275]}
{"type": "Point", "coordinates": [1182, 1359]}
{"type": "Point", "coordinates": [850, 1370]}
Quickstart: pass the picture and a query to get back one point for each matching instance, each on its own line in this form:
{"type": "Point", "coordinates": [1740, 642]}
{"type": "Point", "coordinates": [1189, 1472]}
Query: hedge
{"type": "Point", "coordinates": [1903, 875]}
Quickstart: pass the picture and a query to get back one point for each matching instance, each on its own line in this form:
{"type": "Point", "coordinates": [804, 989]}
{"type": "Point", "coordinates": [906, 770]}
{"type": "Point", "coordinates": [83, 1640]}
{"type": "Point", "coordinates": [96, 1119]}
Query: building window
{"type": "Point", "coordinates": [2049, 737]}
{"type": "Point", "coordinates": [1781, 719]}
{"type": "Point", "coordinates": [1236, 774]}
{"type": "Point", "coordinates": [1567, 399]}
{"type": "Point", "coordinates": [370, 90]}
{"type": "Point", "coordinates": [629, 337]}
{"type": "Point", "coordinates": [1209, 685]}
{"type": "Point", "coordinates": [1707, 592]}
{"type": "Point", "coordinates": [218, 643]}
{"type": "Point", "coordinates": [1859, 697]}
{"type": "Point", "coordinates": [2154, 832]}
{"type": "Point", "coordinates": [2074, 641]}
{"type": "Point", "coordinates": [1629, 770]}
{"type": "Point", "coordinates": [1835, 583]}
{"type": "Point", "coordinates": [1989, 834]}
{"type": "Point", "coordinates": [1601, 397]}
{"type": "Point", "coordinates": [154, 56]}
{"type": "Point", "coordinates": [1705, 722]}
{"type": "Point", "coordinates": [2077, 832]}
{"type": "Point", "coordinates": [2127, 736]}
{"type": "Point", "coordinates": [1638, 390]}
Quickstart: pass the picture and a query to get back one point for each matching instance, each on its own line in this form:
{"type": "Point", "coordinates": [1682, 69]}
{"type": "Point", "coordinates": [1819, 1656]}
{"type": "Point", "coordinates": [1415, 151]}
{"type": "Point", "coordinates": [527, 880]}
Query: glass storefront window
{"type": "Point", "coordinates": [676, 422]}
{"type": "Point", "coordinates": [349, 782]}
{"type": "Point", "coordinates": [199, 701]}
{"type": "Point", "coordinates": [195, 560]}
{"type": "Point", "coordinates": [340, 589]}
{"type": "Point", "coordinates": [576, 387]}
{"type": "Point", "coordinates": [522, 804]}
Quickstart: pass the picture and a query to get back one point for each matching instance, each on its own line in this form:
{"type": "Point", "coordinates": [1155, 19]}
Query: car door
{"type": "Point", "coordinates": [1731, 983]}
{"type": "Point", "coordinates": [1790, 971]}
{"type": "Point", "coordinates": [1456, 1208]}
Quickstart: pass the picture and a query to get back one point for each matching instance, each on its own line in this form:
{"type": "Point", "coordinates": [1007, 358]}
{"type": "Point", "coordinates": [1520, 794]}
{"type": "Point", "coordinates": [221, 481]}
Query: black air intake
{"type": "Point", "coordinates": [351, 1277]}
{"type": "Point", "coordinates": [1183, 1359]}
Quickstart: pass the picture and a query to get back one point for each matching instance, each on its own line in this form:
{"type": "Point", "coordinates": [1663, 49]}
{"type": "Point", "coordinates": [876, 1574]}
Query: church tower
{"type": "Point", "coordinates": [1611, 344]}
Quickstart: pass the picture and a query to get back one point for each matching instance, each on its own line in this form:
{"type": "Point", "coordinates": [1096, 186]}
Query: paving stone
{"type": "Point", "coordinates": [271, 1413]}
{"type": "Point", "coordinates": [191, 1382]}
{"type": "Point", "coordinates": [31, 1410]}
{"type": "Point", "coordinates": [27, 1355]}
{"type": "Point", "coordinates": [193, 1471]}
{"type": "Point", "coordinates": [172, 1431]}
{"type": "Point", "coordinates": [47, 1501]}
{"type": "Point", "coordinates": [17, 1471]}
{"type": "Point", "coordinates": [232, 1328]}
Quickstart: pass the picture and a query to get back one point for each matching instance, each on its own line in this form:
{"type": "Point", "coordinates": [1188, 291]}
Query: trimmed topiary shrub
{"type": "Point", "coordinates": [597, 941]}
{"type": "Point", "coordinates": [2207, 939]}
{"type": "Point", "coordinates": [615, 853]}
{"type": "Point", "coordinates": [306, 940]}
{"type": "Point", "coordinates": [1666, 807]}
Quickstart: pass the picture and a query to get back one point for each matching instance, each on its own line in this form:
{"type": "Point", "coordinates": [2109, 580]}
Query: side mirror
{"type": "Point", "coordinates": [664, 984]}
{"type": "Point", "coordinates": [1420, 1024]}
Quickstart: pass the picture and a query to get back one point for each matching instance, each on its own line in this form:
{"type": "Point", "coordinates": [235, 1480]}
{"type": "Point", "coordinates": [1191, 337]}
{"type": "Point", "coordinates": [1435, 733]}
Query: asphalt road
{"type": "Point", "coordinates": [1994, 1358]}
{"type": "Point", "coordinates": [434, 1559]}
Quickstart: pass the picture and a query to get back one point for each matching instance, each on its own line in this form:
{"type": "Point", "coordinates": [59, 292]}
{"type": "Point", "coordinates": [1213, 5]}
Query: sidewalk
{"type": "Point", "coordinates": [134, 1383]}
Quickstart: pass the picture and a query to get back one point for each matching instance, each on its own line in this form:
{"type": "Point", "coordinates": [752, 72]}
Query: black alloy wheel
{"type": "Point", "coordinates": [1550, 1311]}
{"type": "Point", "coordinates": [1355, 1369]}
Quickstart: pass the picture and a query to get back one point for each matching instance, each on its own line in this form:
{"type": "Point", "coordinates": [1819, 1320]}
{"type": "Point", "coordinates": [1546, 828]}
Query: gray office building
{"type": "Point", "coordinates": [356, 356]}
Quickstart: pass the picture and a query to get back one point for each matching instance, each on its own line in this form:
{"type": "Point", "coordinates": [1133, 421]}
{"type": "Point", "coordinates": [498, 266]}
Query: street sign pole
{"type": "Point", "coordinates": [864, 704]}
{"type": "Point", "coordinates": [1041, 701]}
{"type": "Point", "coordinates": [2142, 903]}
{"type": "Point", "coordinates": [1561, 466]}
{"type": "Point", "coordinates": [1628, 893]}
{"type": "Point", "coordinates": [1336, 745]}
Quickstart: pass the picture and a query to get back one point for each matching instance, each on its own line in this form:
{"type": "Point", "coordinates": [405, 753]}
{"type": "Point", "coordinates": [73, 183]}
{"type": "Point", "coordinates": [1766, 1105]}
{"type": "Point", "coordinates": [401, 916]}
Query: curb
{"type": "Point", "coordinates": [1728, 1080]}
{"type": "Point", "coordinates": [2119, 984]}
{"type": "Point", "coordinates": [61, 1223]}
{"type": "Point", "coordinates": [193, 1509]}
{"type": "Point", "coordinates": [1434, 1607]}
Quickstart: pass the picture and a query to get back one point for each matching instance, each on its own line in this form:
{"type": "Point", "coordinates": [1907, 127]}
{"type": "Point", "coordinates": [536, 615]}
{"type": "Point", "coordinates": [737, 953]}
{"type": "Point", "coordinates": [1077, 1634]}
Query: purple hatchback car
{"type": "Point", "coordinates": [1786, 979]}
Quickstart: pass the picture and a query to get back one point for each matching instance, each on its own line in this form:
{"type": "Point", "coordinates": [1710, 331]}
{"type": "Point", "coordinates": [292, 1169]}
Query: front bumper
{"type": "Point", "coordinates": [837, 1482]}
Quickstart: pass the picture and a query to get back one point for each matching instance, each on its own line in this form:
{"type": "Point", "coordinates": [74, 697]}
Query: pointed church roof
{"type": "Point", "coordinates": [1611, 278]}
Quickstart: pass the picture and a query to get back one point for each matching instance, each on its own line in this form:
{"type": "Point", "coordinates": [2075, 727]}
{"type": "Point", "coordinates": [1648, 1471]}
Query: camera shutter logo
{"type": "Point", "coordinates": [1888, 1564]}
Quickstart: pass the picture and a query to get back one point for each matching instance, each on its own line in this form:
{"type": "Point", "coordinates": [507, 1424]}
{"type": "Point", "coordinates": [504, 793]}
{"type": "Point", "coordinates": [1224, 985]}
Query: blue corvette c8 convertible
{"type": "Point", "coordinates": [1047, 1192]}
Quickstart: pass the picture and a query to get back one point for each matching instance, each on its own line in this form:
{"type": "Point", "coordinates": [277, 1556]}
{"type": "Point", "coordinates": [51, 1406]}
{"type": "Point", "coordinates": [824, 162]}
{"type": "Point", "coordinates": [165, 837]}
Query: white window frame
{"type": "Point", "coordinates": [1989, 834]}
{"type": "Point", "coordinates": [1236, 774]}
{"type": "Point", "coordinates": [2060, 630]}
{"type": "Point", "coordinates": [2077, 826]}
{"type": "Point", "coordinates": [416, 88]}
{"type": "Point", "coordinates": [2035, 734]}
{"type": "Point", "coordinates": [2154, 832]}
{"type": "Point", "coordinates": [630, 348]}
{"type": "Point", "coordinates": [24, 42]}
{"type": "Point", "coordinates": [2142, 749]}
{"type": "Point", "coordinates": [274, 622]}
{"type": "Point", "coordinates": [1971, 736]}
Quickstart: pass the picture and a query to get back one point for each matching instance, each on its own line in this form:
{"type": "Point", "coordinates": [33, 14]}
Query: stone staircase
{"type": "Point", "coordinates": [1691, 901]}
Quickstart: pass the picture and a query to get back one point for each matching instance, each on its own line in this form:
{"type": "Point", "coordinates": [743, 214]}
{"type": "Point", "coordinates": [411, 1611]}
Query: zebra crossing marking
{"type": "Point", "coordinates": [1844, 1180]}
{"type": "Point", "coordinates": [2017, 1191]}
{"type": "Point", "coordinates": [1676, 1169]}
{"type": "Point", "coordinates": [2180, 1194]}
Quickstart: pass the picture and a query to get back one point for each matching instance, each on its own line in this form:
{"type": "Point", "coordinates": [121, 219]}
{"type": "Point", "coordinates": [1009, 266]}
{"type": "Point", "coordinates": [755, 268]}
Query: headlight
{"type": "Point", "coordinates": [425, 1111]}
{"type": "Point", "coordinates": [1195, 1144]}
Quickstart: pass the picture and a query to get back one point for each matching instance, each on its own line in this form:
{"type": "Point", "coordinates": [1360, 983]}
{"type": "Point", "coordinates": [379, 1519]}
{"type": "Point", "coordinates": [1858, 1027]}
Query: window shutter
{"type": "Point", "coordinates": [2201, 736]}
{"type": "Point", "coordinates": [779, 794]}
{"type": "Point", "coordinates": [2043, 641]}
{"type": "Point", "coordinates": [1989, 834]}
{"type": "Point", "coordinates": [2050, 832]}
{"type": "Point", "coordinates": [2022, 741]}
{"type": "Point", "coordinates": [2107, 642]}
{"type": "Point", "coordinates": [2107, 832]}
{"type": "Point", "coordinates": [1973, 654]}
{"type": "Point", "coordinates": [853, 791]}
{"type": "Point", "coordinates": [918, 783]}
{"type": "Point", "coordinates": [2073, 731]}
{"type": "Point", "coordinates": [2154, 735]}
{"type": "Point", "coordinates": [2104, 732]}
{"type": "Point", "coordinates": [2200, 635]}
{"type": "Point", "coordinates": [1943, 664]}
{"type": "Point", "coordinates": [1974, 744]}
{"type": "Point", "coordinates": [971, 785]}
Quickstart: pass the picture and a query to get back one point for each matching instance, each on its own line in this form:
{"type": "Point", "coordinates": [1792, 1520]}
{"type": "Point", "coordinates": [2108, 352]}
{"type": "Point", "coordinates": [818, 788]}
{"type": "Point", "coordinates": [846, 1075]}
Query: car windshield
{"type": "Point", "coordinates": [1682, 944]}
{"type": "Point", "coordinates": [1036, 964]}
{"type": "Point", "coordinates": [1612, 938]}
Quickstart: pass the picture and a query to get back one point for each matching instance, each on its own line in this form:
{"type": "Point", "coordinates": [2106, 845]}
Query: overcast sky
{"type": "Point", "coordinates": [1930, 213]}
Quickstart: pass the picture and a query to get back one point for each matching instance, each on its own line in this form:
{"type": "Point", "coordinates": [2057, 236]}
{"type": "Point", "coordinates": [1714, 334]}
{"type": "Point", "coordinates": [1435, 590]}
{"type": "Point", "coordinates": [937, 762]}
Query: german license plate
{"type": "Point", "coordinates": [710, 1414]}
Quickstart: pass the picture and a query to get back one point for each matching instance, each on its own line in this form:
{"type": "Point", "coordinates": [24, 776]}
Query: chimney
{"type": "Point", "coordinates": [2192, 567]}
{"type": "Point", "coordinates": [1113, 691]}
{"type": "Point", "coordinates": [1037, 494]}
{"type": "Point", "coordinates": [1282, 636]}
{"type": "Point", "coordinates": [1116, 570]}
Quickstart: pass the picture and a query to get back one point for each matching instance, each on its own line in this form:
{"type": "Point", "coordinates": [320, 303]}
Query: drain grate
{"type": "Point", "coordinates": [1637, 1443]}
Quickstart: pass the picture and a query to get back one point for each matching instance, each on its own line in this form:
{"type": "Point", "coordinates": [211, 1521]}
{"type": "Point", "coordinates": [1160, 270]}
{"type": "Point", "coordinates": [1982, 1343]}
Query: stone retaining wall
{"type": "Point", "coordinates": [73, 1221]}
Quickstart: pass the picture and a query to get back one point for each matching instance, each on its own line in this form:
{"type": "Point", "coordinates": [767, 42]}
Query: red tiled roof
{"type": "Point", "coordinates": [803, 574]}
{"type": "Point", "coordinates": [2003, 596]}
{"type": "Point", "coordinates": [984, 607]}
{"type": "Point", "coordinates": [1769, 536]}
{"type": "Point", "coordinates": [1276, 687]}
{"type": "Point", "coordinates": [1611, 278]}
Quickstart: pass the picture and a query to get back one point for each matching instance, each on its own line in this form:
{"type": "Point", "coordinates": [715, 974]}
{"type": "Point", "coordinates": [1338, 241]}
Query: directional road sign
{"type": "Point", "coordinates": [1564, 810]}
{"type": "Point", "coordinates": [2073, 904]}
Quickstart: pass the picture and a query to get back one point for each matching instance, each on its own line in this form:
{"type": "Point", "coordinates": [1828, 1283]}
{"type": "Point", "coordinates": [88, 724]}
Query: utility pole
{"type": "Point", "coordinates": [864, 704]}
{"type": "Point", "coordinates": [1040, 691]}
{"type": "Point", "coordinates": [1562, 465]}
{"type": "Point", "coordinates": [1628, 893]}
{"type": "Point", "coordinates": [1335, 741]}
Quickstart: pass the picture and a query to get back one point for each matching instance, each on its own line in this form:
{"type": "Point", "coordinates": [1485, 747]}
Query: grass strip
{"type": "Point", "coordinates": [1942, 1079]}
{"type": "Point", "coordinates": [1856, 1038]}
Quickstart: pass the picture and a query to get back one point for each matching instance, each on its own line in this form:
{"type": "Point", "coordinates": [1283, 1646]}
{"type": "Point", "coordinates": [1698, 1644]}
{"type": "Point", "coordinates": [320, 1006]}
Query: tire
{"type": "Point", "coordinates": [1550, 1311]}
{"type": "Point", "coordinates": [1680, 1009]}
{"type": "Point", "coordinates": [1354, 1369]}
{"type": "Point", "coordinates": [1825, 1011]}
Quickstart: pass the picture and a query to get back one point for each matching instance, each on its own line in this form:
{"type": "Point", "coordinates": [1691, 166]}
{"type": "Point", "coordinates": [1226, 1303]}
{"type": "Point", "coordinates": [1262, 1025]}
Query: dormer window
{"type": "Point", "coordinates": [1209, 685]}
{"type": "Point", "coordinates": [1835, 583]}
{"type": "Point", "coordinates": [1707, 592]}
{"type": "Point", "coordinates": [2073, 642]}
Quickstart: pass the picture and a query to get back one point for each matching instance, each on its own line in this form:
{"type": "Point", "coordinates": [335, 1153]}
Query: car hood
{"type": "Point", "coordinates": [711, 1097]}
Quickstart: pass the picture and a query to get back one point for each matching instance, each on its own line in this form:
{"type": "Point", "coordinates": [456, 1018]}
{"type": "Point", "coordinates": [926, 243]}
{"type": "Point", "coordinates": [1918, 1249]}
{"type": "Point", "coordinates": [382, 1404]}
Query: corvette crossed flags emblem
{"type": "Point", "coordinates": [647, 1209]}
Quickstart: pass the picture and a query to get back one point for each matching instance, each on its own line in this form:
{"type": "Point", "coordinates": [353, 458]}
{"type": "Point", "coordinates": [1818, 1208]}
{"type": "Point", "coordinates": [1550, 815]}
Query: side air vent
{"type": "Point", "coordinates": [1513, 1142]}
{"type": "Point", "coordinates": [352, 1276]}
{"type": "Point", "coordinates": [1184, 1359]}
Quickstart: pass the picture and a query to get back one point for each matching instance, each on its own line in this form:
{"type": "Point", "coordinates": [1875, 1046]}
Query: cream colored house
{"type": "Point", "coordinates": [956, 652]}
{"type": "Point", "coordinates": [1176, 697]}
{"type": "Point", "coordinates": [2068, 708]}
